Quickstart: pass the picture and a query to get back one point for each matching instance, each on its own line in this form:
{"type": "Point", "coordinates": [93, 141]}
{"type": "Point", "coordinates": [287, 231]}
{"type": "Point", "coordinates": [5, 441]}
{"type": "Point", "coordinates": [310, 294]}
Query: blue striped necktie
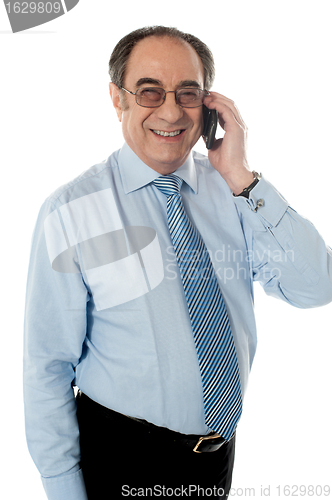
{"type": "Point", "coordinates": [208, 315]}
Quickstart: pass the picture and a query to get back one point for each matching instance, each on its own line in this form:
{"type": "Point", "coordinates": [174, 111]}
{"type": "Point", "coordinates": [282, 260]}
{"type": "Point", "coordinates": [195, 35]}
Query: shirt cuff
{"type": "Point", "coordinates": [266, 205]}
{"type": "Point", "coordinates": [65, 487]}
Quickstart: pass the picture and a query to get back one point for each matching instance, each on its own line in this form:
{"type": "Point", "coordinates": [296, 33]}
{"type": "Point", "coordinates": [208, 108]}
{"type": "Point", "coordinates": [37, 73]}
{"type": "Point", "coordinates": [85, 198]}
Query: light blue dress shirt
{"type": "Point", "coordinates": [105, 307]}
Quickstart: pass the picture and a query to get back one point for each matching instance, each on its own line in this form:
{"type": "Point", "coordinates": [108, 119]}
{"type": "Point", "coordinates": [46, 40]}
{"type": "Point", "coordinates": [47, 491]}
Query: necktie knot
{"type": "Point", "coordinates": [168, 184]}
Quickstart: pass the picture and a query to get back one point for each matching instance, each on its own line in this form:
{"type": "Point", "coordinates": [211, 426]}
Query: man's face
{"type": "Point", "coordinates": [170, 64]}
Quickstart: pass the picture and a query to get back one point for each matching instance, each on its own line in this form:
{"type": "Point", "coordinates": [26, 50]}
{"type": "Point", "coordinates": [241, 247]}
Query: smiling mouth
{"type": "Point", "coordinates": [168, 134]}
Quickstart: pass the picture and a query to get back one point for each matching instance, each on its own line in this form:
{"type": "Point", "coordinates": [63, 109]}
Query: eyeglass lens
{"type": "Point", "coordinates": [155, 96]}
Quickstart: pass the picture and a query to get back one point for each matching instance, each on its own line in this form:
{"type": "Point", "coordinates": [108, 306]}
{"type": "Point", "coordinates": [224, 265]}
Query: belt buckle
{"type": "Point", "coordinates": [205, 438]}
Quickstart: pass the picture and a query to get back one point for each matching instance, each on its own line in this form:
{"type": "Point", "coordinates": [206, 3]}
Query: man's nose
{"type": "Point", "coordinates": [170, 111]}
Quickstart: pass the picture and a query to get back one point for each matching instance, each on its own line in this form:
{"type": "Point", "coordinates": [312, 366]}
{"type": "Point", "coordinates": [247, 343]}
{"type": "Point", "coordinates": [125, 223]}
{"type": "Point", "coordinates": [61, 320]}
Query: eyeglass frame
{"type": "Point", "coordinates": [166, 92]}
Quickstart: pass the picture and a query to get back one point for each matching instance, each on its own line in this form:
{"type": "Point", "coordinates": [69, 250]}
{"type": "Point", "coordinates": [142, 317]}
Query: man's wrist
{"type": "Point", "coordinates": [246, 190]}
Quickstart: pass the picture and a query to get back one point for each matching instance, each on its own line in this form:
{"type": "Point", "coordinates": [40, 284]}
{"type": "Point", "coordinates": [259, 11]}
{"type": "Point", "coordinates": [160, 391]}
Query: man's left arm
{"type": "Point", "coordinates": [287, 254]}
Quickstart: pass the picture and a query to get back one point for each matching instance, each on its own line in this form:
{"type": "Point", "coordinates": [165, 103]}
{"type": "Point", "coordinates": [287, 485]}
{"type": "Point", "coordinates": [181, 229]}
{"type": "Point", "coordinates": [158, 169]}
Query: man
{"type": "Point", "coordinates": [140, 289]}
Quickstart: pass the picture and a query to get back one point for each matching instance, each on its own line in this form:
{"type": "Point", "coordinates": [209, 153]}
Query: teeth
{"type": "Point", "coordinates": [168, 134]}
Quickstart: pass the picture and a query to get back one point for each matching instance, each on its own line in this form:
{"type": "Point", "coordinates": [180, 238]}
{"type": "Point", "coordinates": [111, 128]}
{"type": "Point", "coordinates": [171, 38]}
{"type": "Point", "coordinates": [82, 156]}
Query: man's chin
{"type": "Point", "coordinates": [167, 163]}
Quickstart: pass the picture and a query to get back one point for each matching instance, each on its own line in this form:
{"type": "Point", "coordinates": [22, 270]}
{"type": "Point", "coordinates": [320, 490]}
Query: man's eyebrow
{"type": "Point", "coordinates": [153, 81]}
{"type": "Point", "coordinates": [189, 83]}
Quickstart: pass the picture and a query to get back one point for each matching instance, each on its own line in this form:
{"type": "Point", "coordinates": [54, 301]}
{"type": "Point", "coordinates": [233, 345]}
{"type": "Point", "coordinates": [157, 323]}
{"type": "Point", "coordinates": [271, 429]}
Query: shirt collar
{"type": "Point", "coordinates": [136, 174]}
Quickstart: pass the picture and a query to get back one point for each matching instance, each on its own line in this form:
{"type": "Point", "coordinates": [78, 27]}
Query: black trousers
{"type": "Point", "coordinates": [120, 458]}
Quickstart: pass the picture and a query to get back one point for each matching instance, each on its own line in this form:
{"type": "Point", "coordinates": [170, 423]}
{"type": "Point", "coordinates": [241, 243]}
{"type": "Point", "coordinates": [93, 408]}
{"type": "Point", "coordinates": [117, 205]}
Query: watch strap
{"type": "Point", "coordinates": [247, 190]}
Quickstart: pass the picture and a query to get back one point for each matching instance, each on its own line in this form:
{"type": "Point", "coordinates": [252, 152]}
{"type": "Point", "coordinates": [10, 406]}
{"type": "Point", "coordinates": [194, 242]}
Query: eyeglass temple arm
{"type": "Point", "coordinates": [122, 88]}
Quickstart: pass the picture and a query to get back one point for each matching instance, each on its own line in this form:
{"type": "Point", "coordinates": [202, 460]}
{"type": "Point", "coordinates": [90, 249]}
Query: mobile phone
{"type": "Point", "coordinates": [210, 122]}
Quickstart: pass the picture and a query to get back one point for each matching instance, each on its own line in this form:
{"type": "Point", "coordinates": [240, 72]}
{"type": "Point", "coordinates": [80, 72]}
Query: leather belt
{"type": "Point", "coordinates": [198, 444]}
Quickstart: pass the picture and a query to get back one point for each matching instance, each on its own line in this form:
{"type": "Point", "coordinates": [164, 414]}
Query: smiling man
{"type": "Point", "coordinates": [140, 289]}
{"type": "Point", "coordinates": [161, 137]}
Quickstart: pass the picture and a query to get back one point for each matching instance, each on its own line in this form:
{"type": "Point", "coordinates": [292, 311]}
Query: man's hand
{"type": "Point", "coordinates": [228, 155]}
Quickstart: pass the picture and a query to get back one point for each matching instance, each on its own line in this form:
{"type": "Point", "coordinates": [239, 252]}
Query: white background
{"type": "Point", "coordinates": [273, 58]}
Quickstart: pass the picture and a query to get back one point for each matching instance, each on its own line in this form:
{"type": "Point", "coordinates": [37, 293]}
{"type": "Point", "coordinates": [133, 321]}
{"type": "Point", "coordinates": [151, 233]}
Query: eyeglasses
{"type": "Point", "coordinates": [153, 97]}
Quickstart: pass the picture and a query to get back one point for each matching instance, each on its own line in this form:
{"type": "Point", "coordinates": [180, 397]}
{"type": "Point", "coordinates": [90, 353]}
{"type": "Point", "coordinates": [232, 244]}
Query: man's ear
{"type": "Point", "coordinates": [116, 99]}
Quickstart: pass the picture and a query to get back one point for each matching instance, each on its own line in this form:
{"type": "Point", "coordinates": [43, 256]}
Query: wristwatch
{"type": "Point", "coordinates": [246, 191]}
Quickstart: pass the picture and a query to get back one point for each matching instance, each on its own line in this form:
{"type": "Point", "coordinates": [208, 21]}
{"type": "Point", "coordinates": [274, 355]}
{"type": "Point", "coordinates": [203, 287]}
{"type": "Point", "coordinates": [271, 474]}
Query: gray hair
{"type": "Point", "coordinates": [122, 51]}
